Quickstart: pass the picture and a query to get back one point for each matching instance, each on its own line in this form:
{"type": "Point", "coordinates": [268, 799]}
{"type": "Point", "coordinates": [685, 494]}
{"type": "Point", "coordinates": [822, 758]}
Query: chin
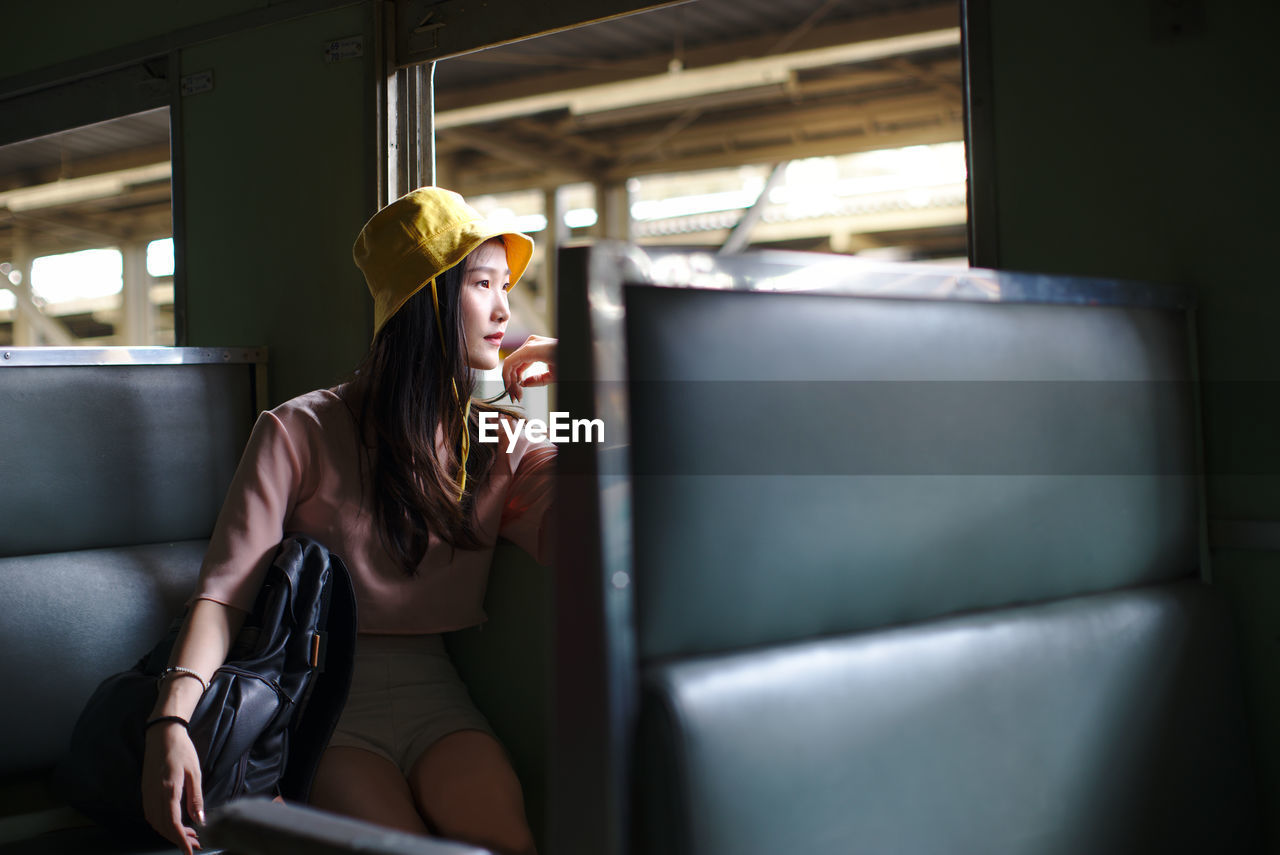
{"type": "Point", "coordinates": [483, 361]}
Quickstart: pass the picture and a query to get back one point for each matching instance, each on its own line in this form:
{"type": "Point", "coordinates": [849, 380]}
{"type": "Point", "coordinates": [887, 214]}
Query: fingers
{"type": "Point", "coordinates": [195, 804]}
{"type": "Point", "coordinates": [516, 384]}
{"type": "Point", "coordinates": [536, 348]}
{"type": "Point", "coordinates": [170, 769]}
{"type": "Point", "coordinates": [175, 831]}
{"type": "Point", "coordinates": [541, 379]}
{"type": "Point", "coordinates": [195, 796]}
{"type": "Point", "coordinates": [163, 811]}
{"type": "Point", "coordinates": [512, 380]}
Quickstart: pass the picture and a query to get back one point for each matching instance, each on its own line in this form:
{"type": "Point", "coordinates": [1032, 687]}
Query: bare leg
{"type": "Point", "coordinates": [359, 783]}
{"type": "Point", "coordinates": [466, 789]}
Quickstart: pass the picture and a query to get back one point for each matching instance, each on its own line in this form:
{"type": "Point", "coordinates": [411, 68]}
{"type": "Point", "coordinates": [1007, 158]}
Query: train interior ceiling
{"type": "Point", "coordinates": [839, 126]}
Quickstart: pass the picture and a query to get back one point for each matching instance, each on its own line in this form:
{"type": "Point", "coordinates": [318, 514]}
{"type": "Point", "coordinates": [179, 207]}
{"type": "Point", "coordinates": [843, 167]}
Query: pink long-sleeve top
{"type": "Point", "coordinates": [301, 474]}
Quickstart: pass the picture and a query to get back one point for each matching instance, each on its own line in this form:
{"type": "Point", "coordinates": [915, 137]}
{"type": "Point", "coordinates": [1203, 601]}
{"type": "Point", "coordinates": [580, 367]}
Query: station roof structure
{"type": "Point", "coordinates": [670, 95]}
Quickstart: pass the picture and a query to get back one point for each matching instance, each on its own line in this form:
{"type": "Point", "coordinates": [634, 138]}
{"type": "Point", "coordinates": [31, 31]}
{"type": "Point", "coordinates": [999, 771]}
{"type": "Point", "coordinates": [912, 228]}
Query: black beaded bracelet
{"type": "Point", "coordinates": [161, 719]}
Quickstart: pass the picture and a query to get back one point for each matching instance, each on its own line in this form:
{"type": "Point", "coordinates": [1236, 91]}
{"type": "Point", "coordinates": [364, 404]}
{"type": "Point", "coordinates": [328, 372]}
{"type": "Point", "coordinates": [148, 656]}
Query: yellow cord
{"type": "Point", "coordinates": [466, 411]}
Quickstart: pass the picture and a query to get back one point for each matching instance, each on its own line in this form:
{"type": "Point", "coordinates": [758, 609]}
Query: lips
{"type": "Point", "coordinates": [495, 339]}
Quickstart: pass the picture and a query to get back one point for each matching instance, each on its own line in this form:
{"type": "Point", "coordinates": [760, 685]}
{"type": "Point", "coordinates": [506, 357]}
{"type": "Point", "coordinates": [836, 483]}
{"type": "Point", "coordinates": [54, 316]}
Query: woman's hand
{"type": "Point", "coordinates": [536, 348]}
{"type": "Point", "coordinates": [170, 770]}
{"type": "Point", "coordinates": [170, 765]}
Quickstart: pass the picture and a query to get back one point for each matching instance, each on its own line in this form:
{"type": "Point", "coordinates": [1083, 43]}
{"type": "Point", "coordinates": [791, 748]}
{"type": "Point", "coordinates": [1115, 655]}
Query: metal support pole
{"type": "Point", "coordinates": [429, 126]}
{"type": "Point", "coordinates": [613, 210]}
{"type": "Point", "coordinates": [417, 124]}
{"type": "Point", "coordinates": [741, 234]}
{"type": "Point", "coordinates": [31, 326]}
{"type": "Point", "coordinates": [556, 236]}
{"type": "Point", "coordinates": [24, 325]}
{"type": "Point", "coordinates": [410, 155]}
{"type": "Point", "coordinates": [137, 319]}
{"type": "Point", "coordinates": [402, 162]}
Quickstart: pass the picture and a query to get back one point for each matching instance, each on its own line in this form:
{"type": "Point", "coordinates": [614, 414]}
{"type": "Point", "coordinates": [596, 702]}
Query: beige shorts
{"type": "Point", "coordinates": [405, 695]}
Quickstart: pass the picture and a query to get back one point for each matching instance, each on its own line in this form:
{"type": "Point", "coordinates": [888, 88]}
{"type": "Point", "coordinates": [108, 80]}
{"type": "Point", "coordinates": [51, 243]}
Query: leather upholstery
{"type": "Point", "coordinates": [71, 619]}
{"type": "Point", "coordinates": [895, 460]}
{"type": "Point", "coordinates": [89, 840]}
{"type": "Point", "coordinates": [1100, 724]}
{"type": "Point", "coordinates": [114, 475]}
{"type": "Point", "coordinates": [917, 576]}
{"type": "Point", "coordinates": [116, 455]}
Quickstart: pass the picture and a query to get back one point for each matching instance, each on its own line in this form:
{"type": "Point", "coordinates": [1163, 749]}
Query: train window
{"type": "Point", "coordinates": [714, 123]}
{"type": "Point", "coordinates": [819, 126]}
{"type": "Point", "coordinates": [86, 246]}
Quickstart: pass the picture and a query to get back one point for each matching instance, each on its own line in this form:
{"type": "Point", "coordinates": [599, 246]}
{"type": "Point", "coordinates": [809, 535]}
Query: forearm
{"type": "Point", "coordinates": [202, 647]}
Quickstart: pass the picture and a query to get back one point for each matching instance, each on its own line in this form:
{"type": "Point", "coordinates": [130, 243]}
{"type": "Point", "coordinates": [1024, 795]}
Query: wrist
{"type": "Point", "coordinates": [177, 697]}
{"type": "Point", "coordinates": [167, 721]}
{"type": "Point", "coordinates": [164, 734]}
{"type": "Point", "coordinates": [175, 672]}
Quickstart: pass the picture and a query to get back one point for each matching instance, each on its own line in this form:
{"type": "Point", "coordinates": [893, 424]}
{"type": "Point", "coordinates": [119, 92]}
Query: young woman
{"type": "Point", "coordinates": [387, 472]}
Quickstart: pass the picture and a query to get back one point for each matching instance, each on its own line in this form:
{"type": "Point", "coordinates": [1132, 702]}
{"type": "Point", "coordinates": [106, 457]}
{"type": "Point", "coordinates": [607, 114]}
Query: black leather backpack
{"type": "Point", "coordinates": [268, 713]}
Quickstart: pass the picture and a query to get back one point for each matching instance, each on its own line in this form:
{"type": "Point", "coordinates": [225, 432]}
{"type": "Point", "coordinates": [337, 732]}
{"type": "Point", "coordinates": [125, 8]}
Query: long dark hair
{"type": "Point", "coordinates": [404, 391]}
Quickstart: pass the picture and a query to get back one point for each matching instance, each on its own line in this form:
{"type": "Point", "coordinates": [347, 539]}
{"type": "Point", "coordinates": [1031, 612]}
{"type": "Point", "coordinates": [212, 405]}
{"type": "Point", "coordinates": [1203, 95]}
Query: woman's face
{"type": "Point", "coordinates": [483, 303]}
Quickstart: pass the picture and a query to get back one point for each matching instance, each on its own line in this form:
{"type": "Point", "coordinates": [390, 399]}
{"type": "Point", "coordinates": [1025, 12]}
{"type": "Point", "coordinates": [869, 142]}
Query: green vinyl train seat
{"type": "Point", "coordinates": [115, 462]}
{"type": "Point", "coordinates": [891, 559]}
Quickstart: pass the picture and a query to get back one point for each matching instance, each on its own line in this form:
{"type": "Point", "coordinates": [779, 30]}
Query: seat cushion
{"type": "Point", "coordinates": [1110, 723]}
{"type": "Point", "coordinates": [89, 840]}
{"type": "Point", "coordinates": [70, 620]}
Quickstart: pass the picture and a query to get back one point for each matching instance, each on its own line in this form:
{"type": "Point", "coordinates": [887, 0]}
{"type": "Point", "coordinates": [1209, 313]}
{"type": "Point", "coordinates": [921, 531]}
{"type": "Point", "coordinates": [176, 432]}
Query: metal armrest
{"type": "Point", "coordinates": [263, 827]}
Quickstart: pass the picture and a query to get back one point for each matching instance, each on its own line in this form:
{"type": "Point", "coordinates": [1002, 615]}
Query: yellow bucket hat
{"type": "Point", "coordinates": [407, 244]}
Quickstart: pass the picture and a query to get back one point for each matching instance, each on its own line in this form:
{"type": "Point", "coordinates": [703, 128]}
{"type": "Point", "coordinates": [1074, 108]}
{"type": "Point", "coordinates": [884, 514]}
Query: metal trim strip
{"type": "Point", "coordinates": [780, 270]}
{"type": "Point", "coordinates": [55, 356]}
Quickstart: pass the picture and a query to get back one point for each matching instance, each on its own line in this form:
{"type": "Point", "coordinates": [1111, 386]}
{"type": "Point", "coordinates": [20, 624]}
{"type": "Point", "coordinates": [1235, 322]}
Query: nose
{"type": "Point", "coordinates": [501, 308]}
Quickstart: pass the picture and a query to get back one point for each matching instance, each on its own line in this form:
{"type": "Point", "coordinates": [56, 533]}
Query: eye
{"type": "Point", "coordinates": [483, 283]}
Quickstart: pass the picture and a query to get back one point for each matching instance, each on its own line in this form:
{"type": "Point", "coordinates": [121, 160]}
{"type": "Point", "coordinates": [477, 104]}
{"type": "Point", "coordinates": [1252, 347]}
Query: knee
{"type": "Point", "coordinates": [516, 839]}
{"type": "Point", "coordinates": [466, 789]}
{"type": "Point", "coordinates": [498, 831]}
{"type": "Point", "coordinates": [483, 807]}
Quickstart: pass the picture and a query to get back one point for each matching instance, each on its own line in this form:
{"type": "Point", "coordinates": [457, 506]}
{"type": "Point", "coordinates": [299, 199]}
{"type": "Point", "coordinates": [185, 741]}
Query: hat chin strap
{"type": "Point", "coordinates": [466, 410]}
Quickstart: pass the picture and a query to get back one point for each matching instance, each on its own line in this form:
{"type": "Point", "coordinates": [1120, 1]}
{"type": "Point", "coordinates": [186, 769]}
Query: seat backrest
{"type": "Point", "coordinates": [120, 446]}
{"type": "Point", "coordinates": [807, 463]}
{"type": "Point", "coordinates": [873, 531]}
